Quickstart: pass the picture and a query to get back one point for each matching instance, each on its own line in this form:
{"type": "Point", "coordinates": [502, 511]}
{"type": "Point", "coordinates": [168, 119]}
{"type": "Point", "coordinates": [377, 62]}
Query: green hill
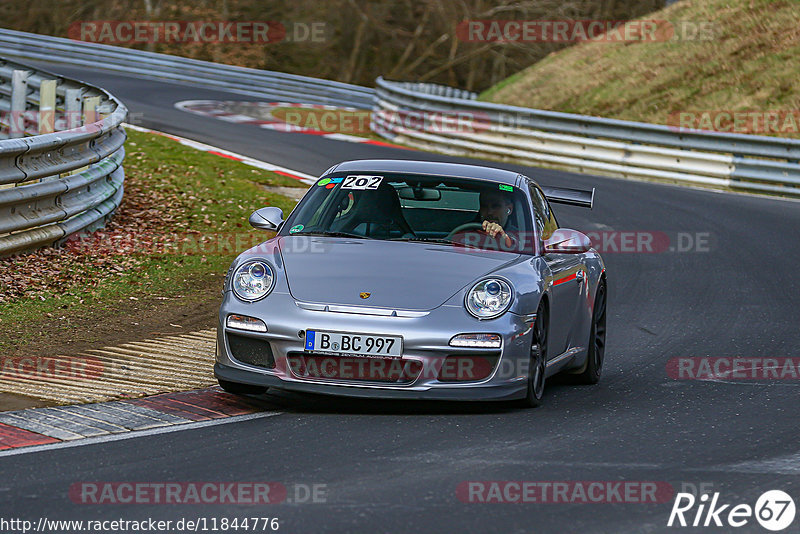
{"type": "Point", "coordinates": [747, 58]}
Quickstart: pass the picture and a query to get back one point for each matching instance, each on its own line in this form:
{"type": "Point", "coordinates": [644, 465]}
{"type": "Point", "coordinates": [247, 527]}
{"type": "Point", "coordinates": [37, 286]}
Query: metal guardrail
{"type": "Point", "coordinates": [61, 152]}
{"type": "Point", "coordinates": [276, 86]}
{"type": "Point", "coordinates": [574, 142]}
{"type": "Point", "coordinates": [440, 90]}
{"type": "Point", "coordinates": [426, 118]}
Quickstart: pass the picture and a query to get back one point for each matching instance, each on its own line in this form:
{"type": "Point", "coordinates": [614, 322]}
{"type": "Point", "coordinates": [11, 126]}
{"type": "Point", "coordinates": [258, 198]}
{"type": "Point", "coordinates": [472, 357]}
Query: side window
{"type": "Point", "coordinates": [551, 225]}
{"type": "Point", "coordinates": [539, 208]}
{"type": "Point", "coordinates": [545, 220]}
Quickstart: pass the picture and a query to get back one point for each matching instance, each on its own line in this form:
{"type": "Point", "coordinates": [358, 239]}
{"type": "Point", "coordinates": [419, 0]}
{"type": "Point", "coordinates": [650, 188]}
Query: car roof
{"type": "Point", "coordinates": [455, 170]}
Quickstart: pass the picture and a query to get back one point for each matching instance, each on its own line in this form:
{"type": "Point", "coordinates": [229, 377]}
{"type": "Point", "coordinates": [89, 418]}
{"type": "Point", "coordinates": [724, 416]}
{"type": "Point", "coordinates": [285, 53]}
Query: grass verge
{"type": "Point", "coordinates": [726, 57]}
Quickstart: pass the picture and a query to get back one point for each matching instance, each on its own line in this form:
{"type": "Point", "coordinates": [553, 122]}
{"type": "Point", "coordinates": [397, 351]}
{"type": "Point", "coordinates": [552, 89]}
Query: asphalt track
{"type": "Point", "coordinates": [395, 466]}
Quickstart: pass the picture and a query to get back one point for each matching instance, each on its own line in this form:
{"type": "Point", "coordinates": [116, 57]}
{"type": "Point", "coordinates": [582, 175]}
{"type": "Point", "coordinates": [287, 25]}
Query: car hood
{"type": "Point", "coordinates": [397, 275]}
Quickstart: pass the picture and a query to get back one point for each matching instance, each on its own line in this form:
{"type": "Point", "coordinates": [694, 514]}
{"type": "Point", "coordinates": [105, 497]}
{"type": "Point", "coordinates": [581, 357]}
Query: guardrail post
{"type": "Point", "coordinates": [90, 104]}
{"type": "Point", "coordinates": [41, 165]}
{"type": "Point", "coordinates": [90, 116]}
{"type": "Point", "coordinates": [47, 106]}
{"type": "Point", "coordinates": [19, 97]}
{"type": "Point", "coordinates": [72, 108]}
{"type": "Point", "coordinates": [73, 114]}
{"type": "Point", "coordinates": [47, 113]}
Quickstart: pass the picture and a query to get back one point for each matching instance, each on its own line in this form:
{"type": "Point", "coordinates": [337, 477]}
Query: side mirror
{"type": "Point", "coordinates": [566, 241]}
{"type": "Point", "coordinates": [266, 218]}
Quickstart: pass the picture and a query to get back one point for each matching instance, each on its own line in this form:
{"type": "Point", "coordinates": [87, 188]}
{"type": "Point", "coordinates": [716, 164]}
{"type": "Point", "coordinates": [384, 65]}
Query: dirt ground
{"type": "Point", "coordinates": [127, 321]}
{"type": "Point", "coordinates": [10, 402]}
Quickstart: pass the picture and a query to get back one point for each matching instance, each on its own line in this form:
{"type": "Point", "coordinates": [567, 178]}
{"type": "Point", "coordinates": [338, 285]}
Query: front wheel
{"type": "Point", "coordinates": [597, 339]}
{"type": "Point", "coordinates": [241, 389]}
{"type": "Point", "coordinates": [538, 360]}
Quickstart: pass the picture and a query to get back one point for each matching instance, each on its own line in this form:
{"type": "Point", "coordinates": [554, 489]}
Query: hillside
{"type": "Point", "coordinates": [749, 61]}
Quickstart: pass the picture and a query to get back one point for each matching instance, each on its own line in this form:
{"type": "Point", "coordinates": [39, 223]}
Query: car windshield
{"type": "Point", "coordinates": [433, 209]}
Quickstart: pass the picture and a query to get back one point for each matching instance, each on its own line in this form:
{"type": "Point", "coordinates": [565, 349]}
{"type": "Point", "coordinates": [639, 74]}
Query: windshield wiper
{"type": "Point", "coordinates": [332, 234]}
{"type": "Point", "coordinates": [435, 240]}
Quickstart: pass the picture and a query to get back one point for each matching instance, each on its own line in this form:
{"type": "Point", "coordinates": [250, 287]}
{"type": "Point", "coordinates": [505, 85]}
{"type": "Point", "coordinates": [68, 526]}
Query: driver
{"type": "Point", "coordinates": [495, 210]}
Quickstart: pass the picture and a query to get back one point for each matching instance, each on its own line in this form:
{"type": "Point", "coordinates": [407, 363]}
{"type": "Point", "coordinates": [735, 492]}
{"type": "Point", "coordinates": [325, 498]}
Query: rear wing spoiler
{"type": "Point", "coordinates": [573, 197]}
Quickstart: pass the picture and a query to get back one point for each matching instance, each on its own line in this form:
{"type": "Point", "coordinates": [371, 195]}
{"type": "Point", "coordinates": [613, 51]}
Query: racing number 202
{"type": "Point", "coordinates": [362, 182]}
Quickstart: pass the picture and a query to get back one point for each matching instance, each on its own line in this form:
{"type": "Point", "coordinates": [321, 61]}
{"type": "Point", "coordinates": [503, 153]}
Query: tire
{"type": "Point", "coordinates": [538, 360]}
{"type": "Point", "coordinates": [241, 389]}
{"type": "Point", "coordinates": [597, 339]}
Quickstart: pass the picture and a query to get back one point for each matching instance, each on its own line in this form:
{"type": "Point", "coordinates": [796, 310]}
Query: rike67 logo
{"type": "Point", "coordinates": [774, 510]}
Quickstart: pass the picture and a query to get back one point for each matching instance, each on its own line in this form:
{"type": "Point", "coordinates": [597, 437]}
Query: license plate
{"type": "Point", "coordinates": [351, 344]}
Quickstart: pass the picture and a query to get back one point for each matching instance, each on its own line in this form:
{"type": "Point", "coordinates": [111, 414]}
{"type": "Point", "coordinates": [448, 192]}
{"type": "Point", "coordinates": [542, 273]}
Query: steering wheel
{"type": "Point", "coordinates": [464, 227]}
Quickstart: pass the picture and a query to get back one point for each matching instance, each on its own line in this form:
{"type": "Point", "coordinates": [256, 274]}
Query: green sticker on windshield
{"type": "Point", "coordinates": [504, 187]}
{"type": "Point", "coordinates": [296, 228]}
{"type": "Point", "coordinates": [324, 181]}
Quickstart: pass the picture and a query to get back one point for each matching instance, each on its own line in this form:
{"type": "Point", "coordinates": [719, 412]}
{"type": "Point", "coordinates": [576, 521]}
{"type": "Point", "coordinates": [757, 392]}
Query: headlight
{"type": "Point", "coordinates": [253, 280]}
{"type": "Point", "coordinates": [489, 298]}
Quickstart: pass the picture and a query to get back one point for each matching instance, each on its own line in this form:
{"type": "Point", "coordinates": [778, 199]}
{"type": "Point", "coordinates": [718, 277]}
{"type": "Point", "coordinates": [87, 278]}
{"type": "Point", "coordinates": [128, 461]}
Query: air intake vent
{"type": "Point", "coordinates": [467, 367]}
{"type": "Point", "coordinates": [385, 370]}
{"type": "Point", "coordinates": [251, 351]}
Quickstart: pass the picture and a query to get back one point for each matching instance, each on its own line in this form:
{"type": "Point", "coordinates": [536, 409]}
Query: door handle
{"type": "Point", "coordinates": [579, 276]}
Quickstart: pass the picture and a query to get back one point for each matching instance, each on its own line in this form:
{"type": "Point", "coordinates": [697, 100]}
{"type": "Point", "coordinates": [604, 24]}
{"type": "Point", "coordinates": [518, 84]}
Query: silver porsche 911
{"type": "Point", "coordinates": [415, 280]}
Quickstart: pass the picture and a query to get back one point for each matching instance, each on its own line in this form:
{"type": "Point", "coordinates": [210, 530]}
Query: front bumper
{"type": "Point", "coordinates": [425, 341]}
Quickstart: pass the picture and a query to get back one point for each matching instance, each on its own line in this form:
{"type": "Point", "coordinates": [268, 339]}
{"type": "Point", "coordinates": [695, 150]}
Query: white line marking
{"type": "Point", "coordinates": [750, 382]}
{"type": "Point", "coordinates": [137, 434]}
{"type": "Point", "coordinates": [782, 465]}
{"type": "Point", "coordinates": [302, 177]}
{"type": "Point", "coordinates": [345, 137]}
{"type": "Point", "coordinates": [207, 108]}
{"type": "Point", "coordinates": [237, 118]}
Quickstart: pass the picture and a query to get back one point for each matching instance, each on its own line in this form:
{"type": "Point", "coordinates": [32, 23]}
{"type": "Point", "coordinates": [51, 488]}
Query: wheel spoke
{"type": "Point", "coordinates": [541, 334]}
{"type": "Point", "coordinates": [600, 328]}
{"type": "Point", "coordinates": [600, 305]}
{"type": "Point", "coordinates": [538, 356]}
